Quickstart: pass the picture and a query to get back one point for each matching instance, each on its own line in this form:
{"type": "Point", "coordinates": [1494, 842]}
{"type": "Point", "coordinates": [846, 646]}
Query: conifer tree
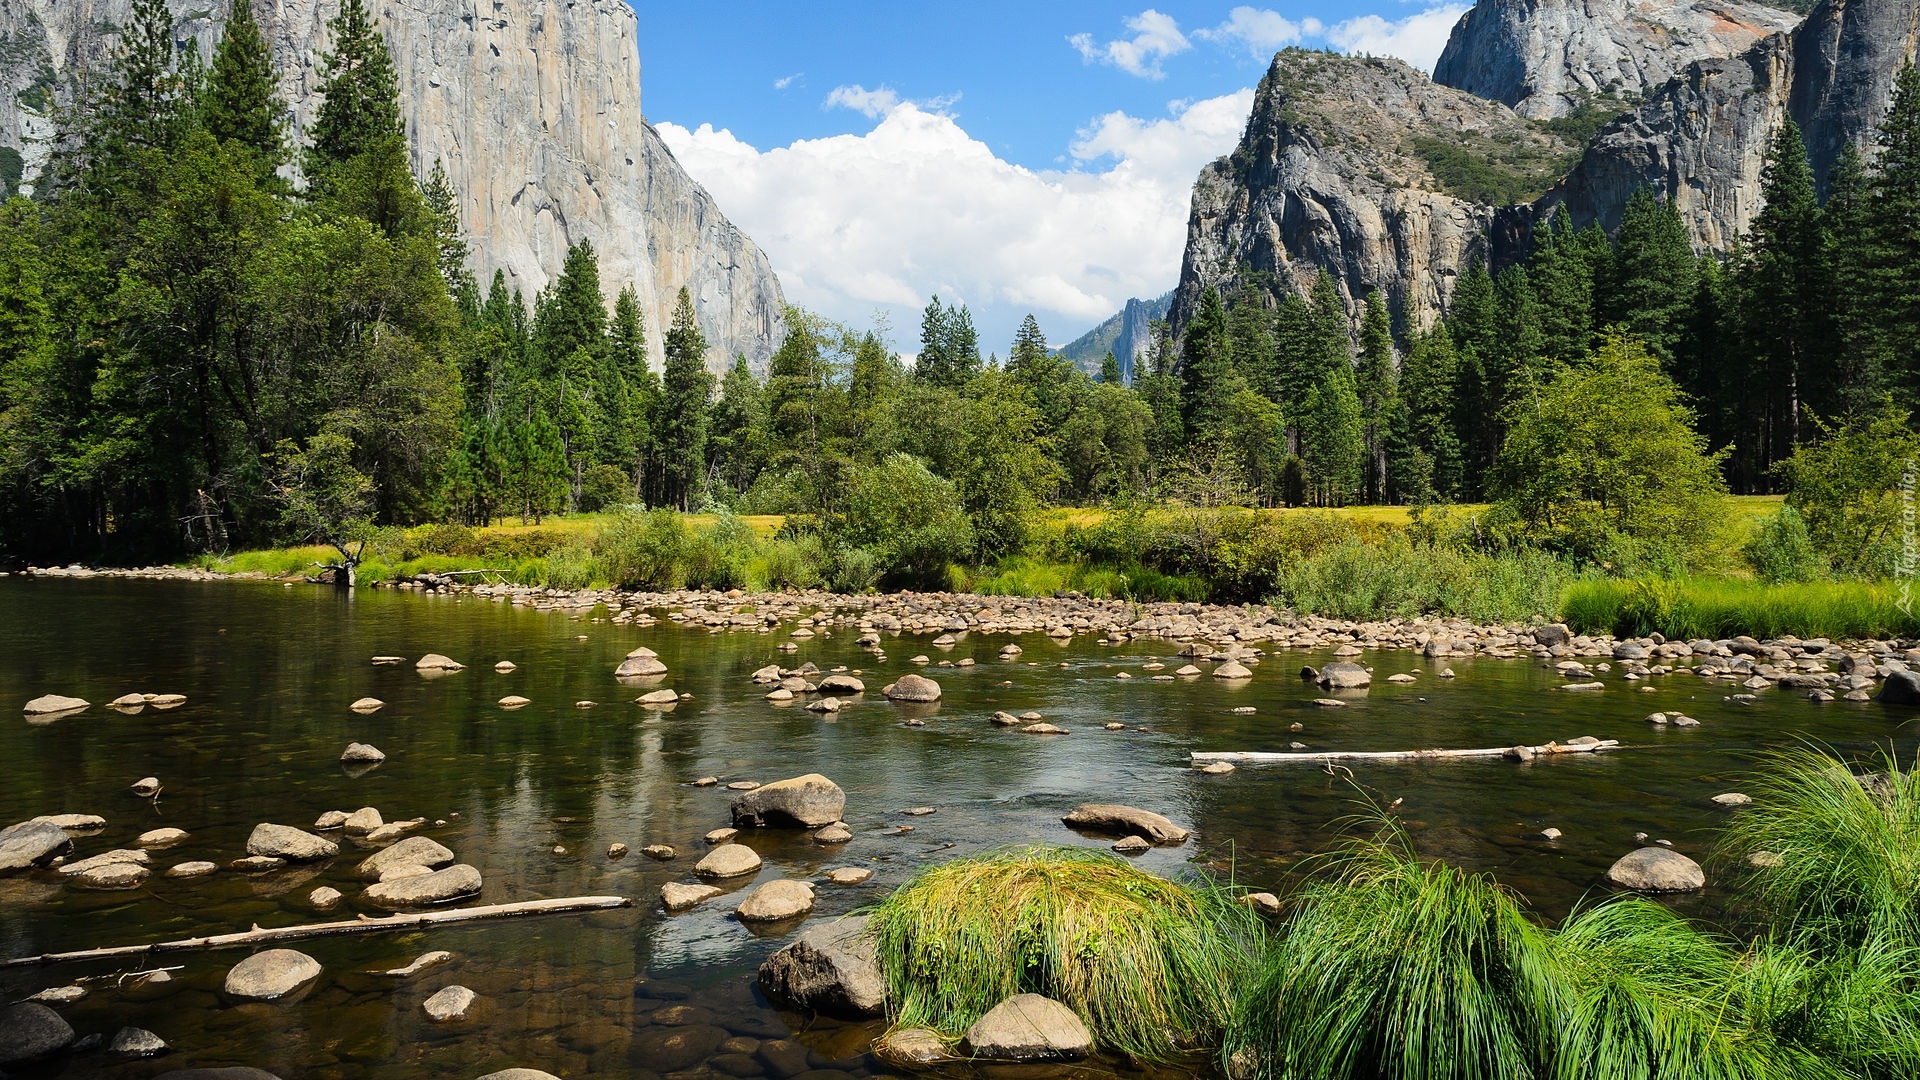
{"type": "Point", "coordinates": [1562, 279]}
{"type": "Point", "coordinates": [1206, 369]}
{"type": "Point", "coordinates": [1110, 369]}
{"type": "Point", "coordinates": [1042, 372]}
{"type": "Point", "coordinates": [449, 236]}
{"type": "Point", "coordinates": [241, 104]}
{"type": "Point", "coordinates": [684, 405]}
{"type": "Point", "coordinates": [1786, 313]}
{"type": "Point", "coordinates": [1894, 236]}
{"type": "Point", "coordinates": [1295, 352]}
{"type": "Point", "coordinates": [1651, 282]}
{"type": "Point", "coordinates": [360, 104]}
{"type": "Point", "coordinates": [1428, 457]}
{"type": "Point", "coordinates": [1332, 436]}
{"type": "Point", "coordinates": [1848, 285]}
{"type": "Point", "coordinates": [1375, 384]}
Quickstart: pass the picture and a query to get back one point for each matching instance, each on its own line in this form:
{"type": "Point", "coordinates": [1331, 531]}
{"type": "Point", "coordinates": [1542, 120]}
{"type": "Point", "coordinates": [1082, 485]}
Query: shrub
{"type": "Point", "coordinates": [604, 486]}
{"type": "Point", "coordinates": [1152, 966]}
{"type": "Point", "coordinates": [571, 567]}
{"type": "Point", "coordinates": [910, 519]}
{"type": "Point", "coordinates": [644, 550]}
{"type": "Point", "coordinates": [443, 539]}
{"type": "Point", "coordinates": [1398, 578]}
{"type": "Point", "coordinates": [722, 555]}
{"type": "Point", "coordinates": [1781, 550]}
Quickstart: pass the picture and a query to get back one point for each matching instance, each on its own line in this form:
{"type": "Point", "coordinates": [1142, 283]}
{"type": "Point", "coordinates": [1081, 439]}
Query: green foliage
{"type": "Point", "coordinates": [1848, 485]}
{"type": "Point", "coordinates": [1686, 609]}
{"type": "Point", "coordinates": [1782, 552]}
{"type": "Point", "coordinates": [1607, 449]}
{"type": "Point", "coordinates": [241, 103]}
{"type": "Point", "coordinates": [910, 520]}
{"type": "Point", "coordinates": [1401, 579]}
{"type": "Point", "coordinates": [1151, 966]}
{"type": "Point", "coordinates": [1496, 170]}
{"type": "Point", "coordinates": [360, 104]}
{"type": "Point", "coordinates": [11, 165]}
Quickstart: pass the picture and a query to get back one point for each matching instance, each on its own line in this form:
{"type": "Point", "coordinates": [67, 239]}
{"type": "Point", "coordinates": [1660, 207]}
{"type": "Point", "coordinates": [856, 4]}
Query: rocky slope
{"type": "Point", "coordinates": [532, 105]}
{"type": "Point", "coordinates": [1387, 180]}
{"type": "Point", "coordinates": [1548, 57]}
{"type": "Point", "coordinates": [1703, 137]}
{"type": "Point", "coordinates": [1128, 335]}
{"type": "Point", "coordinates": [1351, 165]}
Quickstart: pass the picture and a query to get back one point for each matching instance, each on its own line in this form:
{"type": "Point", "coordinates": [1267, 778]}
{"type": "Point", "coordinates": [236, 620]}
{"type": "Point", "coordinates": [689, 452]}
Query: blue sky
{"type": "Point", "coordinates": [1012, 156]}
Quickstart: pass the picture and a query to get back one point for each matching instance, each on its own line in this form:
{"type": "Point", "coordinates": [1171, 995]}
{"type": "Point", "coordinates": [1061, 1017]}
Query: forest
{"type": "Point", "coordinates": [216, 336]}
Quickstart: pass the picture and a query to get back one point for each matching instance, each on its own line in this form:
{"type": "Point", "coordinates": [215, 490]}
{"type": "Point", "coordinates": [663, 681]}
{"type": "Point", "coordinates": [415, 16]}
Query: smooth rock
{"type": "Point", "coordinates": [193, 869]}
{"type": "Point", "coordinates": [325, 898]}
{"type": "Point", "coordinates": [362, 754]}
{"type": "Point", "coordinates": [60, 995]}
{"type": "Point", "coordinates": [721, 836]}
{"type": "Point", "coordinates": [332, 819]}
{"type": "Point", "coordinates": [448, 1004]}
{"type": "Point", "coordinates": [519, 1074]}
{"type": "Point", "coordinates": [639, 667]}
{"type": "Point", "coordinates": [849, 875]}
{"type": "Point", "coordinates": [663, 852]}
{"type": "Point", "coordinates": [32, 843]}
{"type": "Point", "coordinates": [77, 823]}
{"type": "Point", "coordinates": [831, 968]}
{"type": "Point", "coordinates": [109, 877]}
{"type": "Point", "coordinates": [515, 701]}
{"type": "Point", "coordinates": [1263, 902]}
{"type": "Point", "coordinates": [363, 821]}
{"type": "Point", "coordinates": [916, 688]}
{"type": "Point", "coordinates": [1217, 768]}
{"type": "Point", "coordinates": [678, 897]}
{"type": "Point", "coordinates": [657, 698]}
{"type": "Point", "coordinates": [133, 1042]}
{"type": "Point", "coordinates": [1114, 819]}
{"type": "Point", "coordinates": [1733, 800]}
{"type": "Point", "coordinates": [1132, 845]}
{"type": "Point", "coordinates": [129, 856]}
{"type": "Point", "coordinates": [30, 1031]}
{"type": "Point", "coordinates": [256, 864]}
{"type": "Point", "coordinates": [1657, 870]}
{"type": "Point", "coordinates": [271, 975]}
{"type": "Point", "coordinates": [423, 962]}
{"type": "Point", "coordinates": [436, 662]}
{"type": "Point", "coordinates": [414, 850]}
{"type": "Point", "coordinates": [53, 703]}
{"type": "Point", "coordinates": [833, 834]}
{"type": "Point", "coordinates": [159, 838]}
{"type": "Point", "coordinates": [367, 705]}
{"type": "Point", "coordinates": [1028, 1027]}
{"type": "Point", "coordinates": [912, 1048]}
{"type": "Point", "coordinates": [1232, 670]}
{"type": "Point", "coordinates": [146, 787]}
{"type": "Point", "coordinates": [728, 860]}
{"type": "Point", "coordinates": [776, 900]}
{"type": "Point", "coordinates": [1901, 688]}
{"type": "Point", "coordinates": [1345, 675]}
{"type": "Point", "coordinates": [441, 886]}
{"type": "Point", "coordinates": [798, 802]}
{"type": "Point", "coordinates": [289, 843]}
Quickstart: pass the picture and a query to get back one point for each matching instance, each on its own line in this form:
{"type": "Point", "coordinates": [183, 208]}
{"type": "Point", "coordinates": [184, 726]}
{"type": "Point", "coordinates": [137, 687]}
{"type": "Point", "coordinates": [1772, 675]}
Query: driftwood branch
{"type": "Point", "coordinates": [363, 925]}
{"type": "Point", "coordinates": [1549, 750]}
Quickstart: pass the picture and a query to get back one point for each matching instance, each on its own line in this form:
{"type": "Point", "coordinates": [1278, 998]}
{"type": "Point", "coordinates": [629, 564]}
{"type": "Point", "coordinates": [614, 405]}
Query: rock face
{"type": "Point", "coordinates": [1127, 335]}
{"type": "Point", "coordinates": [1546, 58]}
{"type": "Point", "coordinates": [802, 802]}
{"type": "Point", "coordinates": [533, 108]}
{"type": "Point", "coordinates": [1329, 175]}
{"type": "Point", "coordinates": [1028, 1027]}
{"type": "Point", "coordinates": [829, 968]}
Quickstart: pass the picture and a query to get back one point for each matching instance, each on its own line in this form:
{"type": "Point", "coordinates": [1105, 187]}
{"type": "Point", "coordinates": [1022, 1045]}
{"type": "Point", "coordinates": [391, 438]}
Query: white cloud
{"type": "Point", "coordinates": [1417, 39]}
{"type": "Point", "coordinates": [918, 206]}
{"type": "Point", "coordinates": [874, 103]}
{"type": "Point", "coordinates": [1261, 32]}
{"type": "Point", "coordinates": [785, 81]}
{"type": "Point", "coordinates": [1155, 37]}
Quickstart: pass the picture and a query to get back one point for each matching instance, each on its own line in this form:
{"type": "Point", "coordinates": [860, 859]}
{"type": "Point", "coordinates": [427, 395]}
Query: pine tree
{"type": "Point", "coordinates": [1562, 279]}
{"type": "Point", "coordinates": [1250, 326]}
{"type": "Point", "coordinates": [1375, 383]}
{"type": "Point", "coordinates": [1110, 369]}
{"type": "Point", "coordinates": [360, 104]}
{"type": "Point", "coordinates": [1332, 436]}
{"type": "Point", "coordinates": [1295, 352]}
{"type": "Point", "coordinates": [686, 391]}
{"type": "Point", "coordinates": [240, 104]}
{"type": "Point", "coordinates": [627, 357]}
{"type": "Point", "coordinates": [1651, 283]}
{"type": "Point", "coordinates": [1786, 313]}
{"type": "Point", "coordinates": [449, 236]}
{"type": "Point", "coordinates": [1849, 285]}
{"type": "Point", "coordinates": [1894, 236]}
{"type": "Point", "coordinates": [740, 432]}
{"type": "Point", "coordinates": [141, 114]}
{"type": "Point", "coordinates": [571, 312]}
{"type": "Point", "coordinates": [1043, 373]}
{"type": "Point", "coordinates": [1206, 369]}
{"type": "Point", "coordinates": [1428, 458]}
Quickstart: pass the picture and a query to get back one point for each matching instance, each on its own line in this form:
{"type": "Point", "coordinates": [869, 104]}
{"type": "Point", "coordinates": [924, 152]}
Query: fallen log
{"type": "Point", "coordinates": [1552, 749]}
{"type": "Point", "coordinates": [363, 925]}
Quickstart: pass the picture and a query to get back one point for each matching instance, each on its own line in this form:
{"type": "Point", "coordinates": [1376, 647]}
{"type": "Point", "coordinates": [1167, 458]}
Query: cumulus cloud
{"type": "Point", "coordinates": [1259, 31]}
{"type": "Point", "coordinates": [1156, 36]}
{"type": "Point", "coordinates": [918, 206]}
{"type": "Point", "coordinates": [873, 103]}
{"type": "Point", "coordinates": [1417, 39]}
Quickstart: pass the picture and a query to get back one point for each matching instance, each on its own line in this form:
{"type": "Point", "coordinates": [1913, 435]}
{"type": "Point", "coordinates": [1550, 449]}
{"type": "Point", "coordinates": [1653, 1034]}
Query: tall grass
{"type": "Point", "coordinates": [1026, 576]}
{"type": "Point", "coordinates": [1398, 578]}
{"type": "Point", "coordinates": [1687, 608]}
{"type": "Point", "coordinates": [1151, 965]}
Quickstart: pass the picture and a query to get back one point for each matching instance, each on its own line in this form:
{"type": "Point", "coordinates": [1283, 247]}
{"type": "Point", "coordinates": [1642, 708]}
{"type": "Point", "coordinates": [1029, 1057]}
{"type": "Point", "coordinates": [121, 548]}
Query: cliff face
{"type": "Point", "coordinates": [1386, 180]}
{"type": "Point", "coordinates": [1347, 166]}
{"type": "Point", "coordinates": [1546, 57]}
{"type": "Point", "coordinates": [533, 107]}
{"type": "Point", "coordinates": [1703, 137]}
{"type": "Point", "coordinates": [1128, 335]}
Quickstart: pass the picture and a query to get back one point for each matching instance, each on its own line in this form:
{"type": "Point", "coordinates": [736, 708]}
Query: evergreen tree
{"type": "Point", "coordinates": [141, 114]}
{"type": "Point", "coordinates": [449, 236]}
{"type": "Point", "coordinates": [639, 388]}
{"type": "Point", "coordinates": [1652, 281]}
{"type": "Point", "coordinates": [240, 104]}
{"type": "Point", "coordinates": [1206, 371]}
{"type": "Point", "coordinates": [1110, 369]}
{"type": "Point", "coordinates": [1562, 279]}
{"type": "Point", "coordinates": [571, 312]}
{"type": "Point", "coordinates": [683, 419]}
{"type": "Point", "coordinates": [949, 346]}
{"type": "Point", "coordinates": [1332, 435]}
{"type": "Point", "coordinates": [1375, 384]}
{"type": "Point", "coordinates": [1250, 327]}
{"type": "Point", "coordinates": [1296, 360]}
{"type": "Point", "coordinates": [1894, 237]}
{"type": "Point", "coordinates": [360, 106]}
{"type": "Point", "coordinates": [1782, 290]}
{"type": "Point", "coordinates": [1849, 285]}
{"type": "Point", "coordinates": [740, 430]}
{"type": "Point", "coordinates": [1427, 458]}
{"type": "Point", "coordinates": [1042, 372]}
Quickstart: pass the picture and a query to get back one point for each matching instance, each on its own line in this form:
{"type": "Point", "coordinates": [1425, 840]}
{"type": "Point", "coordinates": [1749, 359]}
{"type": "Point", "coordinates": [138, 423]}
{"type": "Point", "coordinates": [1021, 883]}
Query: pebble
{"type": "Point", "coordinates": [158, 838]}
{"type": "Point", "coordinates": [325, 897]}
{"type": "Point", "coordinates": [191, 869]}
{"type": "Point", "coordinates": [663, 852]}
{"type": "Point", "coordinates": [616, 851]}
{"type": "Point", "coordinates": [136, 1042]}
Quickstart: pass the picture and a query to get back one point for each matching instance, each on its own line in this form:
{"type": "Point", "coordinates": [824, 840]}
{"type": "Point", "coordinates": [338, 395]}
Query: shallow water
{"type": "Point", "coordinates": [268, 672]}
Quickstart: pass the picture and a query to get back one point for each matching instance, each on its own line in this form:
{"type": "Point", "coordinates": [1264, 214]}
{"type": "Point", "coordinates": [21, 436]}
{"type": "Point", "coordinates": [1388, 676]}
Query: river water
{"type": "Point", "coordinates": [533, 798]}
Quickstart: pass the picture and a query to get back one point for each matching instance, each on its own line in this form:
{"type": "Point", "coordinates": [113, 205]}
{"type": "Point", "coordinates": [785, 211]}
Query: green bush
{"type": "Point", "coordinates": [722, 555]}
{"type": "Point", "coordinates": [910, 519]}
{"type": "Point", "coordinates": [1781, 551]}
{"type": "Point", "coordinates": [604, 486]}
{"type": "Point", "coordinates": [571, 567]}
{"type": "Point", "coordinates": [644, 550]}
{"type": "Point", "coordinates": [442, 539]}
{"type": "Point", "coordinates": [1399, 579]}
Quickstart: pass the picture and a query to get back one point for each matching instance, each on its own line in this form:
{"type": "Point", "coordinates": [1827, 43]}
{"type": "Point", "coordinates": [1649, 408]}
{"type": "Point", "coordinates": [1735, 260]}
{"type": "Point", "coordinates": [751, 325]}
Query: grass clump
{"type": "Point", "coordinates": [1151, 965]}
{"type": "Point", "coordinates": [1688, 608]}
{"type": "Point", "coordinates": [1400, 578]}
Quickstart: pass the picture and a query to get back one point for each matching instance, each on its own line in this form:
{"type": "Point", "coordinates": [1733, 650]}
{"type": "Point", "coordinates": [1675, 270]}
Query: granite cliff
{"type": "Point", "coordinates": [1548, 58]}
{"type": "Point", "coordinates": [1388, 180]}
{"type": "Point", "coordinates": [533, 106]}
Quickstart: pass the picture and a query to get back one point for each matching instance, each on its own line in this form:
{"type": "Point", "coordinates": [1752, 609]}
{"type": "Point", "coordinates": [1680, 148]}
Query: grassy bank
{"type": "Point", "coordinates": [1687, 608]}
{"type": "Point", "coordinates": [1386, 966]}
